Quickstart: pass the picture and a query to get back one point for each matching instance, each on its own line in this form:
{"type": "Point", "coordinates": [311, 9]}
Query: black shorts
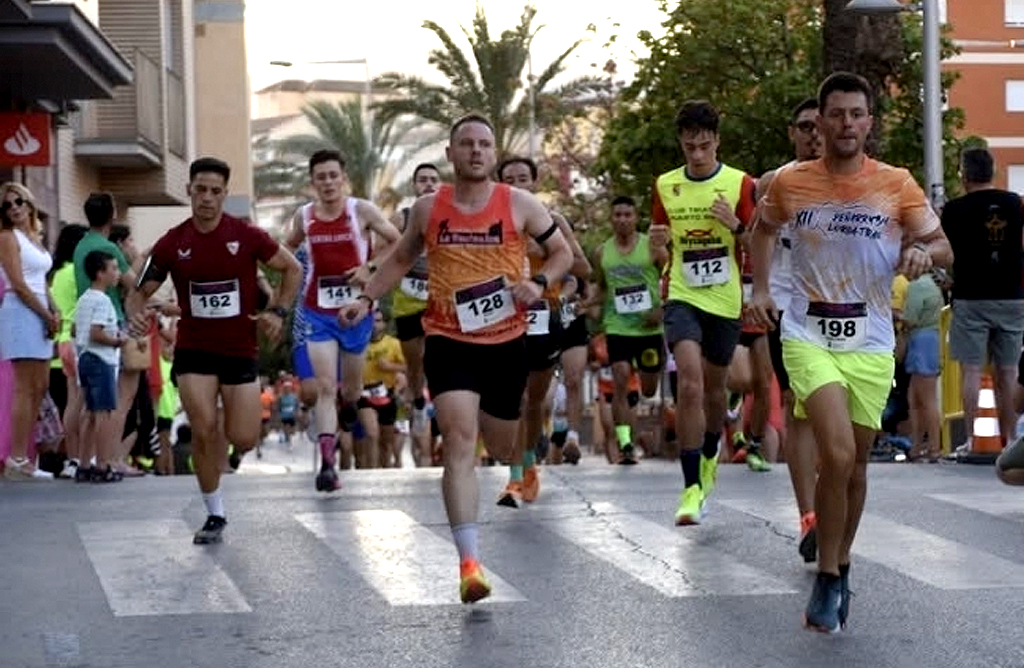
{"type": "Point", "coordinates": [163, 424]}
{"type": "Point", "coordinates": [647, 353]}
{"type": "Point", "coordinates": [716, 335]}
{"type": "Point", "coordinates": [747, 338]}
{"type": "Point", "coordinates": [387, 413]}
{"type": "Point", "coordinates": [409, 327]}
{"type": "Point", "coordinates": [228, 370]}
{"type": "Point", "coordinates": [576, 334]}
{"type": "Point", "coordinates": [775, 349]}
{"type": "Point", "coordinates": [633, 398]}
{"type": "Point", "coordinates": [288, 421]}
{"type": "Point", "coordinates": [543, 350]}
{"type": "Point", "coordinates": [497, 372]}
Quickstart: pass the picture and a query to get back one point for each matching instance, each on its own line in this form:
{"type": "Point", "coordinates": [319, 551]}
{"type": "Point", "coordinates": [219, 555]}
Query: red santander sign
{"type": "Point", "coordinates": [25, 139]}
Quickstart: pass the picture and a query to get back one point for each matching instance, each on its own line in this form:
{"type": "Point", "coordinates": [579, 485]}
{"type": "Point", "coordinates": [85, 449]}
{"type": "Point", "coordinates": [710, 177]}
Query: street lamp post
{"type": "Point", "coordinates": [367, 101]}
{"type": "Point", "coordinates": [932, 102]}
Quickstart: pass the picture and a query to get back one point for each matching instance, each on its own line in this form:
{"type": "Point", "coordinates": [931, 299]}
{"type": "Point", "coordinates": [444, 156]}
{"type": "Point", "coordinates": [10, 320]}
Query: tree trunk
{"type": "Point", "coordinates": [871, 46]}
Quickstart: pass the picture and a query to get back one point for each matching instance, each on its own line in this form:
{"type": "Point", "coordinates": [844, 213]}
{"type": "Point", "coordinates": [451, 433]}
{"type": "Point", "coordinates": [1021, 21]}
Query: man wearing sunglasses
{"type": "Point", "coordinates": [799, 445]}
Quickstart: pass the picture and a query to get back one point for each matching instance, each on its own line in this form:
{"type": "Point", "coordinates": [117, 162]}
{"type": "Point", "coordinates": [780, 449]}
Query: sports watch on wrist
{"type": "Point", "coordinates": [541, 280]}
{"type": "Point", "coordinates": [280, 311]}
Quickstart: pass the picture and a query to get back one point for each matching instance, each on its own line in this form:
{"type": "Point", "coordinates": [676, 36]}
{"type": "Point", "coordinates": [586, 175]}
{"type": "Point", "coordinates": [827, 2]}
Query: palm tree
{"type": "Point", "coordinates": [488, 80]}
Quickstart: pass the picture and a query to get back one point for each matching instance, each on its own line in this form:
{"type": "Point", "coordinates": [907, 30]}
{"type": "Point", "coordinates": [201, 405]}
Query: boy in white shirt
{"type": "Point", "coordinates": [98, 342]}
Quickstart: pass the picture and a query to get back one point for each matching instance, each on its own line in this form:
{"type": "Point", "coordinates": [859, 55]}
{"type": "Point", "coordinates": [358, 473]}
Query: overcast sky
{"type": "Point", "coordinates": [389, 34]}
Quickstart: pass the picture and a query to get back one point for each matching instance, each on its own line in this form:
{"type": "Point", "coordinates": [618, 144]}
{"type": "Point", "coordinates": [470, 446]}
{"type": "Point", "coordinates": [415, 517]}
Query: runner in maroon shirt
{"type": "Point", "coordinates": [212, 260]}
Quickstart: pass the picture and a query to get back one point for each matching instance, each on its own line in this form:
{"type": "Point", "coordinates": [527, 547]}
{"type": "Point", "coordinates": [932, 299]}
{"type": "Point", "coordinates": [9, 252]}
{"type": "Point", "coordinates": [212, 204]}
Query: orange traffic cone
{"type": "Point", "coordinates": [986, 442]}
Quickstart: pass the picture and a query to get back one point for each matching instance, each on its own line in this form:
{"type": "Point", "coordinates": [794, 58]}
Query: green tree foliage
{"type": "Point", "coordinates": [488, 79]}
{"type": "Point", "coordinates": [754, 59]}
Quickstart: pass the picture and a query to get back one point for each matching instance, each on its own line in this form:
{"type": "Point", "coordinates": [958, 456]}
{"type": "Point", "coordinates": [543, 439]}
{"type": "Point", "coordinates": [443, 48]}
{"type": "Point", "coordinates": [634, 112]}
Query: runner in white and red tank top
{"type": "Point", "coordinates": [336, 231]}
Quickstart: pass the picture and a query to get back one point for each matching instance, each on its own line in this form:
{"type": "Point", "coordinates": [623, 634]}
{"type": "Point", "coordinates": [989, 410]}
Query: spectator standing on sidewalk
{"type": "Point", "coordinates": [986, 230]}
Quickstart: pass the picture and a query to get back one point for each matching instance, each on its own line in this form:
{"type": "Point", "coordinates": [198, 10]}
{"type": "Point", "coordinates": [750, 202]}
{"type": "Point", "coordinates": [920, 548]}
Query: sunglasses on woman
{"type": "Point", "coordinates": [9, 204]}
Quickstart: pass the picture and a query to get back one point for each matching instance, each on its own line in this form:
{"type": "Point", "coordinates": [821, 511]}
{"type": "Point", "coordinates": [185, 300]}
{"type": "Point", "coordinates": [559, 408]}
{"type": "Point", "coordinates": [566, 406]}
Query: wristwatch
{"type": "Point", "coordinates": [740, 229]}
{"type": "Point", "coordinates": [280, 311]}
{"type": "Point", "coordinates": [541, 280]}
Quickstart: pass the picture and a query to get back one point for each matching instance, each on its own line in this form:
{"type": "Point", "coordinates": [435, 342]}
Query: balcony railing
{"type": "Point", "coordinates": [129, 129]}
{"type": "Point", "coordinates": [176, 130]}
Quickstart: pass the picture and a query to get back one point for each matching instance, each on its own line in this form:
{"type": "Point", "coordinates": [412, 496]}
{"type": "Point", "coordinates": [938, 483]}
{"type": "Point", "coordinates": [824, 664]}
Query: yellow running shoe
{"type": "Point", "coordinates": [691, 506]}
{"type": "Point", "coordinates": [473, 586]}
{"type": "Point", "coordinates": [708, 474]}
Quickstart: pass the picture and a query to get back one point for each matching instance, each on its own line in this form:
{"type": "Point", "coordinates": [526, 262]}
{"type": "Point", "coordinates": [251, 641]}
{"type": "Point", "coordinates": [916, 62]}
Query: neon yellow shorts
{"type": "Point", "coordinates": [866, 377]}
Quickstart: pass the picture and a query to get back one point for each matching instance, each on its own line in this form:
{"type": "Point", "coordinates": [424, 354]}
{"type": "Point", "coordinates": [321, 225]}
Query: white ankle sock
{"type": "Point", "coordinates": [214, 503]}
{"type": "Point", "coordinates": [465, 536]}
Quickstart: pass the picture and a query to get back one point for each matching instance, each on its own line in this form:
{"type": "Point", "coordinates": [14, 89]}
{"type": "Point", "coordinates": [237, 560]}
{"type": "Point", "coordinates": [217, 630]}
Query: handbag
{"type": "Point", "coordinates": [136, 355]}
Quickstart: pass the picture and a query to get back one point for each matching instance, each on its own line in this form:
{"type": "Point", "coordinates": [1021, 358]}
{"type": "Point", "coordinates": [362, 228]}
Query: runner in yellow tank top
{"type": "Point", "coordinates": [702, 209]}
{"type": "Point", "coordinates": [409, 301]}
{"type": "Point", "coordinates": [854, 223]}
{"type": "Point", "coordinates": [474, 235]}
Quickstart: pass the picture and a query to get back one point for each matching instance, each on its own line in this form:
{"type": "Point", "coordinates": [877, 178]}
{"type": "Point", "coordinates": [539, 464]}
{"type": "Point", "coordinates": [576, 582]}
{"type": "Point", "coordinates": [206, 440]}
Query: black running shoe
{"type": "Point", "coordinates": [822, 613]}
{"type": "Point", "coordinates": [627, 456]}
{"type": "Point", "coordinates": [809, 545]}
{"type": "Point", "coordinates": [327, 480]}
{"type": "Point", "coordinates": [211, 531]}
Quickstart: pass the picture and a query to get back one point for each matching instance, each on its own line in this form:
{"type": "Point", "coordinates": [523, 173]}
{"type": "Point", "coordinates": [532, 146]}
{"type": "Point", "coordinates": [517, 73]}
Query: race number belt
{"type": "Point", "coordinates": [538, 319]}
{"type": "Point", "coordinates": [220, 299]}
{"type": "Point", "coordinates": [334, 292]}
{"type": "Point", "coordinates": [632, 299]}
{"type": "Point", "coordinates": [483, 304]}
{"type": "Point", "coordinates": [567, 312]}
{"type": "Point", "coordinates": [377, 394]}
{"type": "Point", "coordinates": [705, 267]}
{"type": "Point", "coordinates": [414, 284]}
{"type": "Point", "coordinates": [840, 327]}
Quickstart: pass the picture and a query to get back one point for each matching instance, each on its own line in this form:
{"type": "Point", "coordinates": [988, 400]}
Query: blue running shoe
{"type": "Point", "coordinates": [845, 594]}
{"type": "Point", "coordinates": [822, 612]}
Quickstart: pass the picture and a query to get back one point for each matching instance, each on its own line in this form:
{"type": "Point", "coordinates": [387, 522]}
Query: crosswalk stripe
{"type": "Point", "coordinates": [1000, 504]}
{"type": "Point", "coordinates": [917, 554]}
{"type": "Point", "coordinates": [176, 576]}
{"type": "Point", "coordinates": [407, 563]}
{"type": "Point", "coordinates": [662, 557]}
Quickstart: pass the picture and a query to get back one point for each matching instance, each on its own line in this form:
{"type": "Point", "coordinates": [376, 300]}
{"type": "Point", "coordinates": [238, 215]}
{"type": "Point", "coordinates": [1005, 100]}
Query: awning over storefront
{"type": "Point", "coordinates": [55, 53]}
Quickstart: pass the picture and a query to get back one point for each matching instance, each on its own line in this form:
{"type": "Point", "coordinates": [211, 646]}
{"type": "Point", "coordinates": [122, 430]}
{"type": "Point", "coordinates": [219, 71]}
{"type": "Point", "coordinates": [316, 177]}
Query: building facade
{"type": "Point", "coordinates": [991, 85]}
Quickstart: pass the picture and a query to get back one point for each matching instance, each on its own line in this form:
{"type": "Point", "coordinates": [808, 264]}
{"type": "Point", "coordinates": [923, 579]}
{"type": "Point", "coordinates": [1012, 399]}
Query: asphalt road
{"type": "Point", "coordinates": [593, 574]}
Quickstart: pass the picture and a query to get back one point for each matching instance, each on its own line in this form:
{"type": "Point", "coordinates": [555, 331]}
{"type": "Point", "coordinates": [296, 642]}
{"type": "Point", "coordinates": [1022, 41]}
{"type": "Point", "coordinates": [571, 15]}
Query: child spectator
{"type": "Point", "coordinates": [98, 341]}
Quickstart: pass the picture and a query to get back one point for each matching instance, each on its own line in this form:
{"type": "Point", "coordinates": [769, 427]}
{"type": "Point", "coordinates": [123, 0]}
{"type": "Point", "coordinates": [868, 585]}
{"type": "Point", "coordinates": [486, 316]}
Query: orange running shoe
{"type": "Point", "coordinates": [531, 484]}
{"type": "Point", "coordinates": [512, 494]}
{"type": "Point", "coordinates": [809, 537]}
{"type": "Point", "coordinates": [473, 585]}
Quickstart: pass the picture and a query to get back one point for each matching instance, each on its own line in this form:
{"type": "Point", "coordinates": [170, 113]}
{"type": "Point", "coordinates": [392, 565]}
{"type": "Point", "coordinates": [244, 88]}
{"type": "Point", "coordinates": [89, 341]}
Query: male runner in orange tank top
{"type": "Point", "coordinates": [474, 233]}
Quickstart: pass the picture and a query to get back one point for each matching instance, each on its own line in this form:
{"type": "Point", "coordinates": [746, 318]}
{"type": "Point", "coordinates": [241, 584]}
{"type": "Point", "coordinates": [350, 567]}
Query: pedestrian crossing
{"type": "Point", "coordinates": [150, 567]}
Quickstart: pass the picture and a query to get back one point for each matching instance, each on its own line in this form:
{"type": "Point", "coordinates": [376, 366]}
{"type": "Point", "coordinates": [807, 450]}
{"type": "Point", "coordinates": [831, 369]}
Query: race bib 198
{"type": "Point", "coordinates": [334, 292]}
{"type": "Point", "coordinates": [841, 327]}
{"type": "Point", "coordinates": [538, 319]}
{"type": "Point", "coordinates": [221, 299]}
{"type": "Point", "coordinates": [414, 284]}
{"type": "Point", "coordinates": [484, 304]}
{"type": "Point", "coordinates": [709, 266]}
{"type": "Point", "coordinates": [633, 299]}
